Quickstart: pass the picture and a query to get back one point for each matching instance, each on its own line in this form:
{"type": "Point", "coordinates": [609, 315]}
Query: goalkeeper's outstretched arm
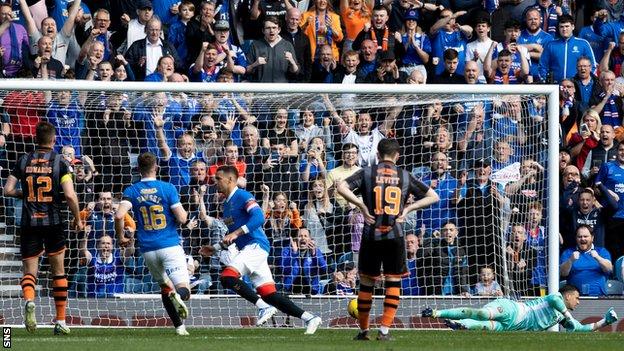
{"type": "Point", "coordinates": [572, 325]}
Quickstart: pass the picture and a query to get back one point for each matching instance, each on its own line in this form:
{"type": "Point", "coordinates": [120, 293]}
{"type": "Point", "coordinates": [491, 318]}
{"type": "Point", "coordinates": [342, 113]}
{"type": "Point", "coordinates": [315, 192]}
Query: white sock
{"type": "Point", "coordinates": [261, 304]}
{"type": "Point", "coordinates": [306, 316]}
{"type": "Point", "coordinates": [384, 329]}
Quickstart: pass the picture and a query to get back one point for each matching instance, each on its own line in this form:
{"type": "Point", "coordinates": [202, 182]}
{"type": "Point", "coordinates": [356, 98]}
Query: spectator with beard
{"type": "Point", "coordinates": [303, 265]}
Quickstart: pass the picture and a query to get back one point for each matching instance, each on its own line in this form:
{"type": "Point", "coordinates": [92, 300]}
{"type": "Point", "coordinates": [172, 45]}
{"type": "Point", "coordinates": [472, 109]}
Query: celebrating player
{"type": "Point", "coordinates": [158, 208]}
{"type": "Point", "coordinates": [43, 175]}
{"type": "Point", "coordinates": [244, 219]}
{"type": "Point", "coordinates": [385, 189]}
{"type": "Point", "coordinates": [533, 315]}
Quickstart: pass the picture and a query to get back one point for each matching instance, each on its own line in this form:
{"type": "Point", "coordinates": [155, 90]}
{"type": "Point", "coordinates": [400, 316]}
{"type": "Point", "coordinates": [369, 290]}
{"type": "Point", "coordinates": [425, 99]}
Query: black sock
{"type": "Point", "coordinates": [283, 304]}
{"type": "Point", "coordinates": [171, 310]}
{"type": "Point", "coordinates": [241, 288]}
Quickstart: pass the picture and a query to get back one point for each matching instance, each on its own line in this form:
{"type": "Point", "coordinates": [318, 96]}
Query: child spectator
{"type": "Point", "coordinates": [487, 285]}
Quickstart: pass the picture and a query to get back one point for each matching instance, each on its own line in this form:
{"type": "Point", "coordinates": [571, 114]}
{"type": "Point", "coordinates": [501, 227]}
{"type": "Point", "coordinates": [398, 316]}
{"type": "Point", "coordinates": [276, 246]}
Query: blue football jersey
{"type": "Point", "coordinates": [612, 176]}
{"type": "Point", "coordinates": [241, 209]}
{"type": "Point", "coordinates": [152, 202]}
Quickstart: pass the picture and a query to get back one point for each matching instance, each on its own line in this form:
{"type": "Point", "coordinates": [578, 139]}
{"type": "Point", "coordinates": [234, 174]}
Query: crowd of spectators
{"type": "Point", "coordinates": [485, 158]}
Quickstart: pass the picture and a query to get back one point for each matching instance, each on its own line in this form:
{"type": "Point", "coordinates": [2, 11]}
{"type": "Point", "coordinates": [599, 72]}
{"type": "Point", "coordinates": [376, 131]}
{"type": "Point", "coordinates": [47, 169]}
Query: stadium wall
{"type": "Point", "coordinates": [216, 312]}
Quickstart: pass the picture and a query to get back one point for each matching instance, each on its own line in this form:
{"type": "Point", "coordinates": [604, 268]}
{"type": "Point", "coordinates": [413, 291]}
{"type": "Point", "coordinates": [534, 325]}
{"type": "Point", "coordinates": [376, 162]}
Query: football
{"type": "Point", "coordinates": [352, 308]}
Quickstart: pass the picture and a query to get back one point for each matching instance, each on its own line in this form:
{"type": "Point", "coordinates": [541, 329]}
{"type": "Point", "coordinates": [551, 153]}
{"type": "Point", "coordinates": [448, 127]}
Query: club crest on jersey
{"type": "Point", "coordinates": [228, 221]}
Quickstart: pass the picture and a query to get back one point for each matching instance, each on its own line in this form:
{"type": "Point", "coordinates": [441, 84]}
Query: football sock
{"type": "Point", "coordinates": [184, 293]}
{"type": "Point", "coordinates": [261, 304]}
{"type": "Point", "coordinates": [240, 287]}
{"type": "Point", "coordinates": [59, 292]}
{"type": "Point", "coordinates": [306, 316]}
{"type": "Point", "coordinates": [391, 302]}
{"type": "Point", "coordinates": [28, 286]}
{"type": "Point", "coordinates": [365, 300]}
{"type": "Point", "coordinates": [171, 310]}
{"type": "Point", "coordinates": [283, 304]}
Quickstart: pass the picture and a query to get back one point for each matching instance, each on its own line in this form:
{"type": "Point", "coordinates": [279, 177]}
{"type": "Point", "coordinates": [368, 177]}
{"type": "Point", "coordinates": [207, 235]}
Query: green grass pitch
{"type": "Point", "coordinates": [158, 339]}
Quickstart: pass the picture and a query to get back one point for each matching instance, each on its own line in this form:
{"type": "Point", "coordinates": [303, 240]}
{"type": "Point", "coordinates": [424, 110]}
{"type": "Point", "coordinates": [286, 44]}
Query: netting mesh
{"type": "Point", "coordinates": [485, 156]}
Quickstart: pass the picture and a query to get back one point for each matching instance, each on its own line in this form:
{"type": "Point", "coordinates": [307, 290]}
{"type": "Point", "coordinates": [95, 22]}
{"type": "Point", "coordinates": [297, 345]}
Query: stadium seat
{"type": "Point", "coordinates": [617, 270]}
{"type": "Point", "coordinates": [615, 287]}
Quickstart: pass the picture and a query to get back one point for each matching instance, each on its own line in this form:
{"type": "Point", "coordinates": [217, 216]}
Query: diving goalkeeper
{"type": "Point", "coordinates": [533, 315]}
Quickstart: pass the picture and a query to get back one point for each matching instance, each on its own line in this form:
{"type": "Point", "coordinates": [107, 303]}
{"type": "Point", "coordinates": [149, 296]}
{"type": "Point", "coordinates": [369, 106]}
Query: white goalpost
{"type": "Point", "coordinates": [490, 151]}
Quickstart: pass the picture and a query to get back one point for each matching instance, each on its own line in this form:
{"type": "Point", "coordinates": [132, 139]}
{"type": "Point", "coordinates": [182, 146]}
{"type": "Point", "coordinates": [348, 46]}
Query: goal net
{"type": "Point", "coordinates": [484, 150]}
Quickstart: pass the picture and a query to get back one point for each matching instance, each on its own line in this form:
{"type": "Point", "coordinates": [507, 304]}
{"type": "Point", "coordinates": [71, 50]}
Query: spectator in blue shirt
{"type": "Point", "coordinates": [534, 38]}
{"type": "Point", "coordinates": [66, 114]}
{"type": "Point", "coordinates": [560, 55]}
{"type": "Point", "coordinates": [611, 174]}
{"type": "Point", "coordinates": [177, 29]}
{"type": "Point", "coordinates": [302, 265]}
{"type": "Point", "coordinates": [410, 285]}
{"type": "Point", "coordinates": [586, 266]}
{"type": "Point", "coordinates": [444, 184]}
{"type": "Point", "coordinates": [105, 272]}
{"type": "Point", "coordinates": [178, 159]}
{"type": "Point", "coordinates": [448, 34]}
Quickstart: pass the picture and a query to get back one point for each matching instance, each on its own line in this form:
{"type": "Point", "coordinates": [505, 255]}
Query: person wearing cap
{"type": "Point", "coordinates": [416, 43]}
{"type": "Point", "coordinates": [144, 54]}
{"type": "Point", "coordinates": [229, 54]}
{"type": "Point", "coordinates": [136, 26]}
{"type": "Point", "coordinates": [450, 74]}
{"type": "Point", "coordinates": [387, 71]}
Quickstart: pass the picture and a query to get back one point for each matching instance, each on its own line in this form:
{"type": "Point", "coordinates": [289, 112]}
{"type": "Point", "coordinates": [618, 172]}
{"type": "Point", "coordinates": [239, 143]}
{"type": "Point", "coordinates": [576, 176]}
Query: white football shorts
{"type": "Point", "coordinates": [252, 262]}
{"type": "Point", "coordinates": [168, 262]}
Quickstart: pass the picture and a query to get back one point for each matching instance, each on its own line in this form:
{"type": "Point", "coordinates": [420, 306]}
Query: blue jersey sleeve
{"type": "Point", "coordinates": [256, 219]}
{"type": "Point", "coordinates": [172, 196]}
{"type": "Point", "coordinates": [602, 173]}
{"type": "Point", "coordinates": [127, 195]}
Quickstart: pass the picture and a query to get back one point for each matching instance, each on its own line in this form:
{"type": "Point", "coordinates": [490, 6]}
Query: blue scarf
{"type": "Point", "coordinates": [320, 41]}
{"type": "Point", "coordinates": [16, 56]}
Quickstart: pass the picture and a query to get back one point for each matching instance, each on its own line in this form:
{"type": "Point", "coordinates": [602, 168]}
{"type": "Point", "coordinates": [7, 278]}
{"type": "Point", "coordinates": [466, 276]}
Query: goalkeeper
{"type": "Point", "coordinates": [533, 315]}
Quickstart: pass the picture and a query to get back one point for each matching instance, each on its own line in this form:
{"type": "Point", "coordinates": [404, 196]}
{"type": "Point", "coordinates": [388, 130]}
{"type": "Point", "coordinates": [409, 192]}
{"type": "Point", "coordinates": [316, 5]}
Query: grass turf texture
{"type": "Point", "coordinates": [260, 339]}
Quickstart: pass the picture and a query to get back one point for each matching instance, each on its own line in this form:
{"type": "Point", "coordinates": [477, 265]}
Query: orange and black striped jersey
{"type": "Point", "coordinates": [41, 173]}
{"type": "Point", "coordinates": [385, 189]}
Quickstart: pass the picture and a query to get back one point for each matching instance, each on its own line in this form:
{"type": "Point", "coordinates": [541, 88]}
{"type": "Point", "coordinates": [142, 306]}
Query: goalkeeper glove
{"type": "Point", "coordinates": [610, 317]}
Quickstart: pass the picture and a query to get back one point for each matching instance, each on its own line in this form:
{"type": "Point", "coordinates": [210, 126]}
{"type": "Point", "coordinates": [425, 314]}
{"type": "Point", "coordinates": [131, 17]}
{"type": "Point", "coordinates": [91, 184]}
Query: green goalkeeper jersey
{"type": "Point", "coordinates": [541, 314]}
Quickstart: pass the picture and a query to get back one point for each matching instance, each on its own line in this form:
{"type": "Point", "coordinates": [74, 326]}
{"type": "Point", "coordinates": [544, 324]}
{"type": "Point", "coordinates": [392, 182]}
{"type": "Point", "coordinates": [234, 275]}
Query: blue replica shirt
{"type": "Point", "coordinates": [610, 31]}
{"type": "Point", "coordinates": [177, 37]}
{"type": "Point", "coordinates": [597, 42]}
{"type": "Point", "coordinates": [161, 9]}
{"type": "Point", "coordinates": [560, 56]}
{"type": "Point", "coordinates": [586, 273]}
{"type": "Point", "coordinates": [152, 202]}
{"type": "Point", "coordinates": [435, 215]}
{"type": "Point", "coordinates": [180, 169]}
{"type": "Point", "coordinates": [69, 122]}
{"type": "Point", "coordinates": [241, 210]}
{"type": "Point", "coordinates": [611, 174]}
{"type": "Point", "coordinates": [411, 57]}
{"type": "Point", "coordinates": [536, 238]}
{"type": "Point", "coordinates": [444, 40]}
{"type": "Point", "coordinates": [541, 38]}
{"type": "Point", "coordinates": [105, 277]}
{"type": "Point", "coordinates": [101, 224]}
{"type": "Point", "coordinates": [409, 284]}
